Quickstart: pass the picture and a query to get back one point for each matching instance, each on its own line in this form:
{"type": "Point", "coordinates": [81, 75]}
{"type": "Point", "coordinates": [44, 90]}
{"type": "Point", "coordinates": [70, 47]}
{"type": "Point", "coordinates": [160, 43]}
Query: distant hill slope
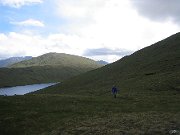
{"type": "Point", "coordinates": [51, 67]}
{"type": "Point", "coordinates": [58, 59]}
{"type": "Point", "coordinates": [13, 60]}
{"type": "Point", "coordinates": [152, 69]}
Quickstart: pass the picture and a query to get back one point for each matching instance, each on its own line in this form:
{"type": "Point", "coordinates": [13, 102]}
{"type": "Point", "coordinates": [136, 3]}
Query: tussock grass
{"type": "Point", "coordinates": [74, 114]}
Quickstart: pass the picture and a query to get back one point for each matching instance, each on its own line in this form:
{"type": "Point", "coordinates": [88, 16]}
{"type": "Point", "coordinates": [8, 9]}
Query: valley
{"type": "Point", "coordinates": [147, 102]}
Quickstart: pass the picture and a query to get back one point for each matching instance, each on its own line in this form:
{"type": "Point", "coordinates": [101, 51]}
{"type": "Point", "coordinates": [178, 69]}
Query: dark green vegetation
{"type": "Point", "coordinates": [148, 102]}
{"type": "Point", "coordinates": [51, 67]}
{"type": "Point", "coordinates": [90, 115]}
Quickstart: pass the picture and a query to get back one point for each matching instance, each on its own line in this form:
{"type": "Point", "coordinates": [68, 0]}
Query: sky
{"type": "Point", "coordinates": [98, 29]}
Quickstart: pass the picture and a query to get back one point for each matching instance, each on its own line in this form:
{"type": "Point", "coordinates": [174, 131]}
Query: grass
{"type": "Point", "coordinates": [74, 114]}
{"type": "Point", "coordinates": [148, 102]}
{"type": "Point", "coordinates": [31, 75]}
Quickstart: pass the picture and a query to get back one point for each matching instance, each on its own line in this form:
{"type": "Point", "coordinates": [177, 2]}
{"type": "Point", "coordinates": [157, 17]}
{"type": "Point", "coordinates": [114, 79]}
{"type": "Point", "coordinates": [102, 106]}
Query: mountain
{"type": "Point", "coordinates": [151, 69]}
{"type": "Point", "coordinates": [57, 59]}
{"type": "Point", "coordinates": [13, 60]}
{"type": "Point", "coordinates": [147, 102]}
{"type": "Point", "coordinates": [102, 62]}
{"type": "Point", "coordinates": [51, 67]}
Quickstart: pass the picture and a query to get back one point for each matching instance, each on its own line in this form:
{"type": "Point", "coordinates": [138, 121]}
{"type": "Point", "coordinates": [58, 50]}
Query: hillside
{"type": "Point", "coordinates": [13, 60]}
{"type": "Point", "coordinates": [147, 103]}
{"type": "Point", "coordinates": [57, 59]}
{"type": "Point", "coordinates": [51, 67]}
{"type": "Point", "coordinates": [151, 69]}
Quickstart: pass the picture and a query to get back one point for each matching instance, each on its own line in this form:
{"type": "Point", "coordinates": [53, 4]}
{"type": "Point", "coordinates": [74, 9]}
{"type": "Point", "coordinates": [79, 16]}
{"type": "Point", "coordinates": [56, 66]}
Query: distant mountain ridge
{"type": "Point", "coordinates": [102, 62]}
{"type": "Point", "coordinates": [12, 60]}
{"type": "Point", "coordinates": [50, 67]}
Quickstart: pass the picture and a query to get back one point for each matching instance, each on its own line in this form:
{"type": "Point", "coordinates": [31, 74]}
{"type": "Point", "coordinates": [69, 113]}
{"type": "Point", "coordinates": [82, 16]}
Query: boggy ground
{"type": "Point", "coordinates": [150, 114]}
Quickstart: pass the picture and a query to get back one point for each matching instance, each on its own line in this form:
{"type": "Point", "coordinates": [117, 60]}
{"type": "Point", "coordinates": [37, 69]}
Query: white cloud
{"type": "Point", "coordinates": [18, 44]}
{"type": "Point", "coordinates": [19, 3]}
{"type": "Point", "coordinates": [72, 9]}
{"type": "Point", "coordinates": [111, 24]}
{"type": "Point", "coordinates": [90, 24]}
{"type": "Point", "coordinates": [2, 37]}
{"type": "Point", "coordinates": [29, 22]}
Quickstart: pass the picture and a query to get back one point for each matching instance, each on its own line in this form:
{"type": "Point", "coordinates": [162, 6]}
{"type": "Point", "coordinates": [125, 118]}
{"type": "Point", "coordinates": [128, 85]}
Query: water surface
{"type": "Point", "coordinates": [21, 90]}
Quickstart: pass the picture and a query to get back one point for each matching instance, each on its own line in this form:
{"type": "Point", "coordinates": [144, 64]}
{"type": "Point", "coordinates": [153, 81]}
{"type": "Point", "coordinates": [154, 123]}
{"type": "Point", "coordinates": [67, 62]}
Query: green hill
{"type": "Point", "coordinates": [58, 59]}
{"type": "Point", "coordinates": [154, 68]}
{"type": "Point", "coordinates": [51, 67]}
{"type": "Point", "coordinates": [148, 102]}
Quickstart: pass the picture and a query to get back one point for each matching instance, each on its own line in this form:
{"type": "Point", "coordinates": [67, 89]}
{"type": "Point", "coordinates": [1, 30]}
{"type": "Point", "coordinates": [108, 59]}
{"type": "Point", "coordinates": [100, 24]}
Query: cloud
{"type": "Point", "coordinates": [29, 22]}
{"type": "Point", "coordinates": [107, 51]}
{"type": "Point", "coordinates": [78, 13]}
{"type": "Point", "coordinates": [102, 26]}
{"type": "Point", "coordinates": [158, 10]}
{"type": "Point", "coordinates": [78, 9]}
{"type": "Point", "coordinates": [19, 3]}
{"type": "Point", "coordinates": [30, 44]}
{"type": "Point", "coordinates": [2, 37]}
{"type": "Point", "coordinates": [23, 44]}
{"type": "Point", "coordinates": [112, 24]}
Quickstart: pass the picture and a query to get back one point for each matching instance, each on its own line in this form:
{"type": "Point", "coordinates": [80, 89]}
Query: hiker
{"type": "Point", "coordinates": [114, 91]}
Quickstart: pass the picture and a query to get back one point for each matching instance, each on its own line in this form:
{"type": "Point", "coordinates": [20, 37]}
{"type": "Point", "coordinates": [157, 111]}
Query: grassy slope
{"type": "Point", "coordinates": [87, 115]}
{"type": "Point", "coordinates": [154, 68]}
{"type": "Point", "coordinates": [85, 106]}
{"type": "Point", "coordinates": [31, 75]}
{"type": "Point", "coordinates": [50, 67]}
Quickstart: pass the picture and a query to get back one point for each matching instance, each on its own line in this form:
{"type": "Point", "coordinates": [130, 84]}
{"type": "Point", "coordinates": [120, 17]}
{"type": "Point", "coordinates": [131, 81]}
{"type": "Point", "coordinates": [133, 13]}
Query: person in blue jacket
{"type": "Point", "coordinates": [114, 91]}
